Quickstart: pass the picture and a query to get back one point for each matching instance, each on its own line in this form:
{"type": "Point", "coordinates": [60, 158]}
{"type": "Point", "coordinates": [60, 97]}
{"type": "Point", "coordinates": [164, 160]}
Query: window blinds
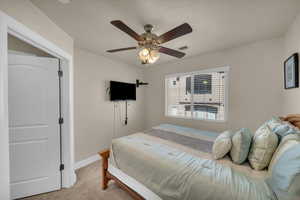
{"type": "Point", "coordinates": [199, 95]}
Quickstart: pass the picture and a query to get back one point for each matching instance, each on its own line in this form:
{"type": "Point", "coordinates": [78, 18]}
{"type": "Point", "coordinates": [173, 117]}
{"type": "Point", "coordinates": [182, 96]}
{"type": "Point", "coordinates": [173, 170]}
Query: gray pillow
{"type": "Point", "coordinates": [281, 128]}
{"type": "Point", "coordinates": [263, 146]}
{"type": "Point", "coordinates": [285, 179]}
{"type": "Point", "coordinates": [222, 145]}
{"type": "Point", "coordinates": [241, 142]}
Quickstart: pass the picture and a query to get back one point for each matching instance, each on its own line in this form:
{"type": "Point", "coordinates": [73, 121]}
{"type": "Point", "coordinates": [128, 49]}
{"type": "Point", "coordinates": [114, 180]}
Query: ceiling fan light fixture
{"type": "Point", "coordinates": [154, 56]}
{"type": "Point", "coordinates": [143, 55]}
{"type": "Point", "coordinates": [148, 55]}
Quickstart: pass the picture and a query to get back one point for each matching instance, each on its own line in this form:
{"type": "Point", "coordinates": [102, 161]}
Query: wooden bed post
{"type": "Point", "coordinates": [105, 177]}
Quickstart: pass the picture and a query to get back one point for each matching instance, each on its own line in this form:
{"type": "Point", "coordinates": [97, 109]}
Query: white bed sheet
{"type": "Point", "coordinates": [133, 184]}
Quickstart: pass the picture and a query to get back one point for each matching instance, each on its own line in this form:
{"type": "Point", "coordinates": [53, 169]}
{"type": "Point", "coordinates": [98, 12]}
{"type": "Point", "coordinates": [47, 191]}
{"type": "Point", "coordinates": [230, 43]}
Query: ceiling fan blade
{"type": "Point", "coordinates": [171, 52]}
{"type": "Point", "coordinates": [122, 49]}
{"type": "Point", "coordinates": [123, 27]}
{"type": "Point", "coordinates": [175, 33]}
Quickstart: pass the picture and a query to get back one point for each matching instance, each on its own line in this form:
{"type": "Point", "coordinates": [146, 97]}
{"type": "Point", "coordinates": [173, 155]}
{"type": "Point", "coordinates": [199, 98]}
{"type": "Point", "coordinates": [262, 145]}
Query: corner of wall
{"type": "Point", "coordinates": [291, 45]}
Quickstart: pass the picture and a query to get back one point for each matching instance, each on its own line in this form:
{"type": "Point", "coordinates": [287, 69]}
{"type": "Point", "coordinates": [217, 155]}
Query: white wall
{"type": "Point", "coordinates": [291, 97]}
{"type": "Point", "coordinates": [26, 13]}
{"type": "Point", "coordinates": [94, 113]}
{"type": "Point", "coordinates": [255, 80]}
{"type": "Point", "coordinates": [15, 44]}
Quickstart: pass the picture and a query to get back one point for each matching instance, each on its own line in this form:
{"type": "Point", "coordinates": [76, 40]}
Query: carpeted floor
{"type": "Point", "coordinates": [86, 188]}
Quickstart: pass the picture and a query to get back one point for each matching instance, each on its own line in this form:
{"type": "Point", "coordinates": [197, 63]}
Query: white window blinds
{"type": "Point", "coordinates": [198, 95]}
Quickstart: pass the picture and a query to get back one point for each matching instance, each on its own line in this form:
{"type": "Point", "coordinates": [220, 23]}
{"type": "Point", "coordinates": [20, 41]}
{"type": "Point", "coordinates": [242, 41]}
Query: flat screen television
{"type": "Point", "coordinates": [120, 91]}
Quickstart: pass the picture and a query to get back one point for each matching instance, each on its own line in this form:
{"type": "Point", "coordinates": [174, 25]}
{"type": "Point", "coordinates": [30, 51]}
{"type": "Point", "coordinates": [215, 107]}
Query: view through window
{"type": "Point", "coordinates": [198, 95]}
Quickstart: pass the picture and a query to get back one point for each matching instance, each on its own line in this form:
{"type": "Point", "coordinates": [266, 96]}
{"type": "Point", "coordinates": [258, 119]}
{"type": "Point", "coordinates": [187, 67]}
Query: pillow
{"type": "Point", "coordinates": [285, 179]}
{"type": "Point", "coordinates": [287, 142]}
{"type": "Point", "coordinates": [273, 123]}
{"type": "Point", "coordinates": [285, 129]}
{"type": "Point", "coordinates": [281, 128]}
{"type": "Point", "coordinates": [241, 142]}
{"type": "Point", "coordinates": [263, 146]}
{"type": "Point", "coordinates": [222, 145]}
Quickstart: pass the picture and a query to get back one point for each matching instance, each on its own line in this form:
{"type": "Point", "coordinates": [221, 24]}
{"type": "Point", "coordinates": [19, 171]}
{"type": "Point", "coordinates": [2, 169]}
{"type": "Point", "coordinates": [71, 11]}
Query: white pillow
{"type": "Point", "coordinates": [285, 177]}
{"type": "Point", "coordinates": [222, 145]}
{"type": "Point", "coordinates": [263, 146]}
{"type": "Point", "coordinates": [286, 143]}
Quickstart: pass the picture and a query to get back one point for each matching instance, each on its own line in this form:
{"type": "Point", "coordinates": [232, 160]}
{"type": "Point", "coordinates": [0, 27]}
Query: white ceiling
{"type": "Point", "coordinates": [217, 24]}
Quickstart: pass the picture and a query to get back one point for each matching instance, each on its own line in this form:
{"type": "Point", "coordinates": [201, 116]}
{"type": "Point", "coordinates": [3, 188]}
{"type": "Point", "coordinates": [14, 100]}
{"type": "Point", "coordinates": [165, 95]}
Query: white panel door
{"type": "Point", "coordinates": [34, 131]}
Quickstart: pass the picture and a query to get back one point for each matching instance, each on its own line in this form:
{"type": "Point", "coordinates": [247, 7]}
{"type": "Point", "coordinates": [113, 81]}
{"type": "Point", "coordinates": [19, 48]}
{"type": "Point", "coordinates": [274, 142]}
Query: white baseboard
{"type": "Point", "coordinates": [86, 161]}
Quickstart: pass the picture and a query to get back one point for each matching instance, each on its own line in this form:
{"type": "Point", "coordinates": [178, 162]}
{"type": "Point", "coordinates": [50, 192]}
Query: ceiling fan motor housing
{"type": "Point", "coordinates": [149, 40]}
{"type": "Point", "coordinates": [148, 28]}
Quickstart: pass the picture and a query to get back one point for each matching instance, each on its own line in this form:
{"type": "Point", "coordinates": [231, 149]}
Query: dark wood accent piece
{"type": "Point", "coordinates": [171, 52]}
{"type": "Point", "coordinates": [121, 49]}
{"type": "Point", "coordinates": [179, 31]}
{"type": "Point", "coordinates": [106, 177]}
{"type": "Point", "coordinates": [123, 27]}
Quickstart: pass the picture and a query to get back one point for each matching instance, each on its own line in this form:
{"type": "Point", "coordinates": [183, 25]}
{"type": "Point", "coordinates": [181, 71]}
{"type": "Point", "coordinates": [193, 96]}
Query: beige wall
{"type": "Point", "coordinates": [255, 80]}
{"type": "Point", "coordinates": [256, 77]}
{"type": "Point", "coordinates": [15, 44]}
{"type": "Point", "coordinates": [291, 97]}
{"type": "Point", "coordinates": [29, 15]}
{"type": "Point", "coordinates": [96, 120]}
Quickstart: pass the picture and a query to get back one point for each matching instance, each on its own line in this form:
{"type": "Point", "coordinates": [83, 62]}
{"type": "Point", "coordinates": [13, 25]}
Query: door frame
{"type": "Point", "coordinates": [8, 25]}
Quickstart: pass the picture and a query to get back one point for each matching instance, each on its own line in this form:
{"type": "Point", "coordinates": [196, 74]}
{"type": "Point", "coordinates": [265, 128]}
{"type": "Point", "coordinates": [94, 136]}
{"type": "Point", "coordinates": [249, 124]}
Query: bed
{"type": "Point", "coordinates": [167, 163]}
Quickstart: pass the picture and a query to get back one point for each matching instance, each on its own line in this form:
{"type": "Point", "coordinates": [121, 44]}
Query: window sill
{"type": "Point", "coordinates": [197, 119]}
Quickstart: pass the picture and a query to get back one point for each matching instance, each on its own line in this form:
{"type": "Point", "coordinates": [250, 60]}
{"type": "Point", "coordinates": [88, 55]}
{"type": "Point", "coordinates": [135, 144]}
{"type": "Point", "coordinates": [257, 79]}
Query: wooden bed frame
{"type": "Point", "coordinates": [106, 177]}
{"type": "Point", "coordinates": [294, 119]}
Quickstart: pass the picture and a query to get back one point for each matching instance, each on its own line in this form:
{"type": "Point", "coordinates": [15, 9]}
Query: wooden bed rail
{"type": "Point", "coordinates": [106, 177]}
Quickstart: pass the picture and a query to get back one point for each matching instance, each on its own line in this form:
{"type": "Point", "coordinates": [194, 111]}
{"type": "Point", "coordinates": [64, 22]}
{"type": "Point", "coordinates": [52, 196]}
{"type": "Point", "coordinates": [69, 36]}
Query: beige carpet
{"type": "Point", "coordinates": [86, 188]}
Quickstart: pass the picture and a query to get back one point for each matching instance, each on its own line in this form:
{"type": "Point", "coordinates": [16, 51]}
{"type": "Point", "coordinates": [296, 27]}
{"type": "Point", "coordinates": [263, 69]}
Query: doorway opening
{"type": "Point", "coordinates": [9, 25]}
{"type": "Point", "coordinates": [35, 119]}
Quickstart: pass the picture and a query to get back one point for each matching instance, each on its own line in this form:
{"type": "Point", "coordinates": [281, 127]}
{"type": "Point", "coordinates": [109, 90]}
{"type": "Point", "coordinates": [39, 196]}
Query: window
{"type": "Point", "coordinates": [197, 95]}
{"type": "Point", "coordinates": [202, 84]}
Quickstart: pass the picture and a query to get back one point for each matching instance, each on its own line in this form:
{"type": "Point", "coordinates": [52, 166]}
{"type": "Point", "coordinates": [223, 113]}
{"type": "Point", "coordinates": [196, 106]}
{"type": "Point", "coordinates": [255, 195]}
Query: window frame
{"type": "Point", "coordinates": [226, 69]}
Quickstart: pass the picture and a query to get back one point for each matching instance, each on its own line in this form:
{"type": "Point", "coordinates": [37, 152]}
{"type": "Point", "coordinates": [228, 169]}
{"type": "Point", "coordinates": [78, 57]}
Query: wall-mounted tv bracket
{"type": "Point", "coordinates": [138, 83]}
{"type": "Point", "coordinates": [126, 116]}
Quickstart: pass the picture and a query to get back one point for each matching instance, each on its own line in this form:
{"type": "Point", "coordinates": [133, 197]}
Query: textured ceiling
{"type": "Point", "coordinates": [217, 24]}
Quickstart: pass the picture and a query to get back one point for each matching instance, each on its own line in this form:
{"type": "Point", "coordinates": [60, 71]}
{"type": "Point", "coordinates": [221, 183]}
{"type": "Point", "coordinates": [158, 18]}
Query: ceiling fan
{"type": "Point", "coordinates": [149, 43]}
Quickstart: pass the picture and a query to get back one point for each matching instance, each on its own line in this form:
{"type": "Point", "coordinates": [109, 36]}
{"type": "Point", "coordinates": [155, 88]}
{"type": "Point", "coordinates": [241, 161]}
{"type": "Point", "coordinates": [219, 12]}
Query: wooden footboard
{"type": "Point", "coordinates": [106, 177]}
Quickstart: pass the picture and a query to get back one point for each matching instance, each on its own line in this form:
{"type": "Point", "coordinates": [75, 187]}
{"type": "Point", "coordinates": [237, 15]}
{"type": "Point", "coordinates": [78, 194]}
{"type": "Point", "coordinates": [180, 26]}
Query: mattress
{"type": "Point", "coordinates": [164, 163]}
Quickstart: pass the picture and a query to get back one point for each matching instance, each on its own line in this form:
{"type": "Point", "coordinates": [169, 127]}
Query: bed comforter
{"type": "Point", "coordinates": [170, 168]}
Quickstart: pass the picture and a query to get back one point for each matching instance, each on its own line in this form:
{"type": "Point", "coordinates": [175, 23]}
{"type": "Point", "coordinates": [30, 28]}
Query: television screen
{"type": "Point", "coordinates": [122, 91]}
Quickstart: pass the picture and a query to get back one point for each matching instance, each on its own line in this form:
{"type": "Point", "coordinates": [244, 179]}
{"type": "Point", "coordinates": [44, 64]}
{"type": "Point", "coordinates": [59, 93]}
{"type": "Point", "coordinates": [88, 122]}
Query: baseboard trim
{"type": "Point", "coordinates": [87, 161]}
